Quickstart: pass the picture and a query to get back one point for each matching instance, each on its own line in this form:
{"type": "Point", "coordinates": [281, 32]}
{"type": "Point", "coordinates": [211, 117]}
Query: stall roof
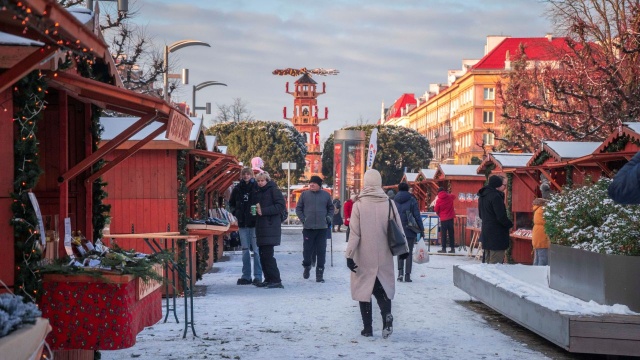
{"type": "Point", "coordinates": [565, 150]}
{"type": "Point", "coordinates": [630, 129]}
{"type": "Point", "coordinates": [410, 177]}
{"type": "Point", "coordinates": [211, 141]}
{"type": "Point", "coordinates": [222, 149]}
{"type": "Point", "coordinates": [114, 126]}
{"type": "Point", "coordinates": [635, 126]}
{"type": "Point", "coordinates": [458, 170]}
{"type": "Point", "coordinates": [505, 160]}
{"type": "Point", "coordinates": [428, 174]}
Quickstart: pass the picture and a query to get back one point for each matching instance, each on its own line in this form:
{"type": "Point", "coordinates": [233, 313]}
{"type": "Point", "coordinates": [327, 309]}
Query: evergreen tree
{"type": "Point", "coordinates": [274, 142]}
{"type": "Point", "coordinates": [398, 148]}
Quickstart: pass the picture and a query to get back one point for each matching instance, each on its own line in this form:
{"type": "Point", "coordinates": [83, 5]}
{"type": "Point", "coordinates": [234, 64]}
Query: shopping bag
{"type": "Point", "coordinates": [420, 252]}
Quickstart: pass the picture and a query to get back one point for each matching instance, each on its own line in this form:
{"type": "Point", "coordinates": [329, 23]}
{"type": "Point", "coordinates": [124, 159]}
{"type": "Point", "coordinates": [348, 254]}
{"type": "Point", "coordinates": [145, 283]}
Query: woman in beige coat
{"type": "Point", "coordinates": [368, 254]}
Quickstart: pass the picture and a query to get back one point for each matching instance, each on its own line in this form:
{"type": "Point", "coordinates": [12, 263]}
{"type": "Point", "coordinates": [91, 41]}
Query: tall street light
{"type": "Point", "coordinates": [207, 106]}
{"type": "Point", "coordinates": [289, 166]}
{"type": "Point", "coordinates": [123, 5]}
{"type": "Point", "coordinates": [169, 49]}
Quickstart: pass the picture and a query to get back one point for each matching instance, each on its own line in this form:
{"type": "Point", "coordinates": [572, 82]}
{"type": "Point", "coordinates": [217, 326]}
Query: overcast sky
{"type": "Point", "coordinates": [382, 48]}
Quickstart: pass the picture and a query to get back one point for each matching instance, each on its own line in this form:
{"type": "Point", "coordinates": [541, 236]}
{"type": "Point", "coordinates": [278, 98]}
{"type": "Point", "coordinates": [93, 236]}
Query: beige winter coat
{"type": "Point", "coordinates": [368, 245]}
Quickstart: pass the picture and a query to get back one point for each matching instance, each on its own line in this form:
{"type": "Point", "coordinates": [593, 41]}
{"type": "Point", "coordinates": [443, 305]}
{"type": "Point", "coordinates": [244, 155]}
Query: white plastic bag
{"type": "Point", "coordinates": [420, 252]}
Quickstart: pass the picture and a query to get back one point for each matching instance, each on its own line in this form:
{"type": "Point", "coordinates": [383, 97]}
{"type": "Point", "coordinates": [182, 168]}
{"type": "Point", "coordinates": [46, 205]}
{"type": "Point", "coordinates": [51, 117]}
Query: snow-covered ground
{"type": "Point", "coordinates": [309, 320]}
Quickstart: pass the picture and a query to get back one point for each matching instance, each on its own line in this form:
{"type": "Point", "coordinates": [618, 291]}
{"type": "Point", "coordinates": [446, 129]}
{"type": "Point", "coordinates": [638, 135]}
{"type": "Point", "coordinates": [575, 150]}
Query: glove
{"type": "Point", "coordinates": [403, 256]}
{"type": "Point", "coordinates": [351, 264]}
{"type": "Point", "coordinates": [329, 219]}
{"type": "Point", "coordinates": [422, 235]}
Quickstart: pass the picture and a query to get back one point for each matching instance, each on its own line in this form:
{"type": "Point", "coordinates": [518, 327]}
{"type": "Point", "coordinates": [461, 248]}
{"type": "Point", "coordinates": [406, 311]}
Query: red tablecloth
{"type": "Point", "coordinates": [95, 315]}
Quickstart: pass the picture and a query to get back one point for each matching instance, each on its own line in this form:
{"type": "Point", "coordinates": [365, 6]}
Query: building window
{"type": "Point", "coordinates": [488, 139]}
{"type": "Point", "coordinates": [489, 94]}
{"type": "Point", "coordinates": [487, 117]}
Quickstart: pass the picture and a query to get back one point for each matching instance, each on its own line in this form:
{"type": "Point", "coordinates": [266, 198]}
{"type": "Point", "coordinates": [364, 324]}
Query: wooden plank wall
{"type": "Point", "coordinates": [605, 334]}
{"type": "Point", "coordinates": [143, 194]}
{"type": "Point", "coordinates": [6, 187]}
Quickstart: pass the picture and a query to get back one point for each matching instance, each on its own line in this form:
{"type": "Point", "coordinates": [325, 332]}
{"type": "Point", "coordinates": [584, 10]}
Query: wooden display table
{"type": "Point", "coordinates": [475, 243]}
{"type": "Point", "coordinates": [90, 313]}
{"type": "Point", "coordinates": [521, 249]}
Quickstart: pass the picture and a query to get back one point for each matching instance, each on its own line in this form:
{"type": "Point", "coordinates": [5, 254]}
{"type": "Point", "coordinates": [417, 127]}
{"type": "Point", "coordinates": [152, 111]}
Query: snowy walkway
{"type": "Point", "coordinates": [308, 320]}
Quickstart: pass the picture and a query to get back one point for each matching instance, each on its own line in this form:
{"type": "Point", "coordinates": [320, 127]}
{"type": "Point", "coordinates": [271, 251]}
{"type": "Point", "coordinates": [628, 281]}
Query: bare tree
{"type": "Point", "coordinates": [592, 86]}
{"type": "Point", "coordinates": [236, 112]}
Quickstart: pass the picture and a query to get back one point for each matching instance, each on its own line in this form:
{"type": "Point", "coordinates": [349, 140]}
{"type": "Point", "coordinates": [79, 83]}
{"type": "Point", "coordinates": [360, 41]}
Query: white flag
{"type": "Point", "coordinates": [373, 148]}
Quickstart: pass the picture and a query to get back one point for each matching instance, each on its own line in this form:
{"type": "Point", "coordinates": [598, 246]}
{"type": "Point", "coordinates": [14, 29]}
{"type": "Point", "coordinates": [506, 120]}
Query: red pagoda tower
{"type": "Point", "coordinates": [305, 114]}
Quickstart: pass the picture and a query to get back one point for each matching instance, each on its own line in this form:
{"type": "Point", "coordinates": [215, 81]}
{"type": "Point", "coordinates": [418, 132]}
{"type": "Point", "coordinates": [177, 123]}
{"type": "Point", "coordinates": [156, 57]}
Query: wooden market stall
{"type": "Point", "coordinates": [464, 182]}
{"type": "Point", "coordinates": [520, 192]}
{"type": "Point", "coordinates": [53, 146]}
{"type": "Point", "coordinates": [425, 188]}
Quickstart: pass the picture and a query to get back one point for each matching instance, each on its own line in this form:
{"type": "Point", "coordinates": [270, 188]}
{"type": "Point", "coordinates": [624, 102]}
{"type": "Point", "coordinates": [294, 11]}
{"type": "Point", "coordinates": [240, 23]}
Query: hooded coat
{"type": "Point", "coordinates": [444, 206]}
{"type": "Point", "coordinates": [368, 246]}
{"type": "Point", "coordinates": [406, 202]}
{"type": "Point", "coordinates": [268, 229]}
{"type": "Point", "coordinates": [625, 187]}
{"type": "Point", "coordinates": [539, 238]}
{"type": "Point", "coordinates": [348, 206]}
{"type": "Point", "coordinates": [495, 223]}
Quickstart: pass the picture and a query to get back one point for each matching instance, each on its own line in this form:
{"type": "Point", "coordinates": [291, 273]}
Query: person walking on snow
{"type": "Point", "coordinates": [368, 255]}
{"type": "Point", "coordinates": [315, 211]}
{"type": "Point", "coordinates": [337, 218]}
{"type": "Point", "coordinates": [242, 197]}
{"type": "Point", "coordinates": [446, 213]}
{"type": "Point", "coordinates": [348, 206]}
{"type": "Point", "coordinates": [407, 206]}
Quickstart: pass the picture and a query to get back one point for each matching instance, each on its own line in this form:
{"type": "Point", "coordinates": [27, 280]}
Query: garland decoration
{"type": "Point", "coordinates": [29, 103]}
{"type": "Point", "coordinates": [569, 176]}
{"type": "Point", "coordinates": [182, 207]}
{"type": "Point", "coordinates": [541, 158]}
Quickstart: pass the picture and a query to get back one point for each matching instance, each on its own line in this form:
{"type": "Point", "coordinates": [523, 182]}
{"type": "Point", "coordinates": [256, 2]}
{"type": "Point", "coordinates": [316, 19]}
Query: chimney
{"type": "Point", "coordinates": [549, 36]}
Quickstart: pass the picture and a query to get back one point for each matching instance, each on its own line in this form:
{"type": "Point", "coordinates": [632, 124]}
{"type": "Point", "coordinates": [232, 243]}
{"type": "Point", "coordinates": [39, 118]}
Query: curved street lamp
{"type": "Point", "coordinates": [207, 106]}
{"type": "Point", "coordinates": [171, 48]}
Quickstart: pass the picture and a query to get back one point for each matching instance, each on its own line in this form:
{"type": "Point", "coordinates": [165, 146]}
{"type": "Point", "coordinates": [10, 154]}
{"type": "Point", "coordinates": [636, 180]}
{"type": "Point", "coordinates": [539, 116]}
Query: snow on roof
{"type": "Point", "coordinates": [428, 173]}
{"type": "Point", "coordinates": [223, 149]}
{"type": "Point", "coordinates": [508, 160]}
{"type": "Point", "coordinates": [81, 13]}
{"type": "Point", "coordinates": [411, 177]}
{"type": "Point", "coordinates": [635, 126]}
{"type": "Point", "coordinates": [211, 141]}
{"type": "Point", "coordinates": [9, 39]}
{"type": "Point", "coordinates": [113, 126]}
{"type": "Point", "coordinates": [572, 149]}
{"type": "Point", "coordinates": [460, 170]}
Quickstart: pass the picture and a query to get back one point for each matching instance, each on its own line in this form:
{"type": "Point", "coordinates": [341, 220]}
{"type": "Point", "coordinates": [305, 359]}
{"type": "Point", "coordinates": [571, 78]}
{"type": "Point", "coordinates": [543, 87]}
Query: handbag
{"type": "Point", "coordinates": [420, 252]}
{"type": "Point", "coordinates": [395, 235]}
{"type": "Point", "coordinates": [411, 222]}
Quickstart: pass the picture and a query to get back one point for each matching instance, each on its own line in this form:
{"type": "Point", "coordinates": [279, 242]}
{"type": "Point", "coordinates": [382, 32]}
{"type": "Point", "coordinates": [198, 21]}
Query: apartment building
{"type": "Point", "coordinates": [462, 119]}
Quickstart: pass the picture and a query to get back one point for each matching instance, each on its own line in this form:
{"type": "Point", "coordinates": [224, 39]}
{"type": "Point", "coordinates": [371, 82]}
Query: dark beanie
{"type": "Point", "coordinates": [316, 179]}
{"type": "Point", "coordinates": [440, 189]}
{"type": "Point", "coordinates": [495, 181]}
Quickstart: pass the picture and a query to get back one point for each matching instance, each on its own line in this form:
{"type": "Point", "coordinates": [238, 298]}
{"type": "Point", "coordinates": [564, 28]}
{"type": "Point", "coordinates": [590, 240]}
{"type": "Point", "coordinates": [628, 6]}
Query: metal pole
{"type": "Point", "coordinates": [165, 93]}
{"type": "Point", "coordinates": [193, 102]}
{"type": "Point", "coordinates": [288, 192]}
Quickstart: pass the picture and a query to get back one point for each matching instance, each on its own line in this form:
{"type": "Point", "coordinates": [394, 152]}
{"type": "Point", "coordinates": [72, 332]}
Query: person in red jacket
{"type": "Point", "coordinates": [348, 205]}
{"type": "Point", "coordinates": [444, 209]}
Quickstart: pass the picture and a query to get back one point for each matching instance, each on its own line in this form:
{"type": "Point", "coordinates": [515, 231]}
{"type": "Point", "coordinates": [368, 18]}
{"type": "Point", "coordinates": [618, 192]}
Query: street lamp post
{"type": "Point", "coordinates": [207, 106]}
{"type": "Point", "coordinates": [288, 166]}
{"type": "Point", "coordinates": [169, 49]}
{"type": "Point", "coordinates": [123, 5]}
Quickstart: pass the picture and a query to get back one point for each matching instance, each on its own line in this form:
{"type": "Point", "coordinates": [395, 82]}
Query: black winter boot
{"type": "Point", "coordinates": [367, 320]}
{"type": "Point", "coordinates": [319, 273]}
{"type": "Point", "coordinates": [407, 278]}
{"type": "Point", "coordinates": [307, 272]}
{"type": "Point", "coordinates": [387, 328]}
{"type": "Point", "coordinates": [400, 270]}
{"type": "Point", "coordinates": [384, 303]}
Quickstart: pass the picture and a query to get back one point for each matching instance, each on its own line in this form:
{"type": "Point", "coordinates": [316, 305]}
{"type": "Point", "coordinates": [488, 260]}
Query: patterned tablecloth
{"type": "Point", "coordinates": [90, 314]}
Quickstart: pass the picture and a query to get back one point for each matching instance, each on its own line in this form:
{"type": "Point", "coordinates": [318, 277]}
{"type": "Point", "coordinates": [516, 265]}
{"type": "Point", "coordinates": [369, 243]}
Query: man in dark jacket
{"type": "Point", "coordinates": [242, 197]}
{"type": "Point", "coordinates": [495, 223]}
{"type": "Point", "coordinates": [446, 213]}
{"type": "Point", "coordinates": [625, 187]}
{"type": "Point", "coordinates": [407, 206]}
{"type": "Point", "coordinates": [315, 211]}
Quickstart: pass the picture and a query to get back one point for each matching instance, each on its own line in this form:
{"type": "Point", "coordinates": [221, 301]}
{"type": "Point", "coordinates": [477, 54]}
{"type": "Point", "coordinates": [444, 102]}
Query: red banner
{"type": "Point", "coordinates": [337, 156]}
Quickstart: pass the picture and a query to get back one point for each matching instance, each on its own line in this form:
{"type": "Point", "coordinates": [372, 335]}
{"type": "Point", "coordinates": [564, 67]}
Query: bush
{"type": "Point", "coordinates": [14, 313]}
{"type": "Point", "coordinates": [586, 218]}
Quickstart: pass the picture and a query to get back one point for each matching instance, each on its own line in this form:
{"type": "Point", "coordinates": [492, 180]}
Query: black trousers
{"type": "Point", "coordinates": [446, 227]}
{"type": "Point", "coordinates": [269, 264]}
{"type": "Point", "coordinates": [404, 266]}
{"type": "Point", "coordinates": [314, 243]}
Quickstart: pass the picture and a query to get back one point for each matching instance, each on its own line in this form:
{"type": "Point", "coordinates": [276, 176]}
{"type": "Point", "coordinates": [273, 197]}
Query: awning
{"type": "Point", "coordinates": [47, 22]}
{"type": "Point", "coordinates": [122, 100]}
{"type": "Point", "coordinates": [219, 174]}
